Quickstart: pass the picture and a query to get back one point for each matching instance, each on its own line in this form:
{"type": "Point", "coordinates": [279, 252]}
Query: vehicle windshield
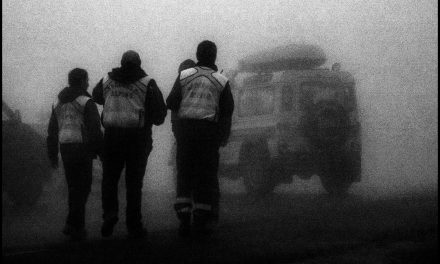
{"type": "Point", "coordinates": [256, 102]}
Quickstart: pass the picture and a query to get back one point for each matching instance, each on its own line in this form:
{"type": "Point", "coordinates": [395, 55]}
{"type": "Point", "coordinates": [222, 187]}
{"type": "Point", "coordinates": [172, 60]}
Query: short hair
{"type": "Point", "coordinates": [130, 58]}
{"type": "Point", "coordinates": [186, 64]}
{"type": "Point", "coordinates": [206, 51]}
{"type": "Point", "coordinates": [77, 76]}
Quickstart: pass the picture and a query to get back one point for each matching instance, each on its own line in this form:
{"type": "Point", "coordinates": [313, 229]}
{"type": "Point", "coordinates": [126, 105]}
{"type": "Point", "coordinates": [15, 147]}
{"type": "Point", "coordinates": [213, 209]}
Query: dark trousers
{"type": "Point", "coordinates": [77, 163]}
{"type": "Point", "coordinates": [124, 148]}
{"type": "Point", "coordinates": [197, 165]}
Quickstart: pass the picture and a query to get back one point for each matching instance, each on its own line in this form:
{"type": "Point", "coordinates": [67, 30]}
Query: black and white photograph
{"type": "Point", "coordinates": [202, 131]}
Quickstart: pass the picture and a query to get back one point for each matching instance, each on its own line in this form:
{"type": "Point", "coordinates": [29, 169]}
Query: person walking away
{"type": "Point", "coordinates": [75, 126]}
{"type": "Point", "coordinates": [186, 64]}
{"type": "Point", "coordinates": [204, 104]}
{"type": "Point", "coordinates": [132, 103]}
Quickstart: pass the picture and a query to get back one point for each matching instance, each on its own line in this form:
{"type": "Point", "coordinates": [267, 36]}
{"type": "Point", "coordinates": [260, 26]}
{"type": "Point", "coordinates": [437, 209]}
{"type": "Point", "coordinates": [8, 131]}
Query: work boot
{"type": "Point", "coordinates": [183, 211]}
{"type": "Point", "coordinates": [68, 230]}
{"type": "Point", "coordinates": [137, 233]}
{"type": "Point", "coordinates": [74, 233]}
{"type": "Point", "coordinates": [202, 222]}
{"type": "Point", "coordinates": [107, 227]}
{"type": "Point", "coordinates": [185, 224]}
{"type": "Point", "coordinates": [78, 234]}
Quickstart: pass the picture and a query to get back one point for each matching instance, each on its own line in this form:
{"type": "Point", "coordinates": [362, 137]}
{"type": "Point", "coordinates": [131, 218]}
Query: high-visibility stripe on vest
{"type": "Point", "coordinates": [70, 117]}
{"type": "Point", "coordinates": [183, 205]}
{"type": "Point", "coordinates": [201, 89]}
{"type": "Point", "coordinates": [124, 104]}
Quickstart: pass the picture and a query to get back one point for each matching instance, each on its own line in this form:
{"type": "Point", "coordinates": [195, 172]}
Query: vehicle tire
{"type": "Point", "coordinates": [256, 181]}
{"type": "Point", "coordinates": [254, 169]}
{"type": "Point", "coordinates": [335, 174]}
{"type": "Point", "coordinates": [334, 184]}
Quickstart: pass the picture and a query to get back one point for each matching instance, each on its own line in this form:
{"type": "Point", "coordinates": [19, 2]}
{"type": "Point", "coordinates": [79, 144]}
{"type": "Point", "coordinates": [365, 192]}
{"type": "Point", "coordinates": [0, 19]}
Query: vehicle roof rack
{"type": "Point", "coordinates": [294, 56]}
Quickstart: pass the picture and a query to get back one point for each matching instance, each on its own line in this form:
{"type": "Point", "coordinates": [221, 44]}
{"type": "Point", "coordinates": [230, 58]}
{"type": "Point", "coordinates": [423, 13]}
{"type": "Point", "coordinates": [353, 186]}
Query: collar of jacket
{"type": "Point", "coordinates": [209, 65]}
{"type": "Point", "coordinates": [70, 93]}
{"type": "Point", "coordinates": [127, 74]}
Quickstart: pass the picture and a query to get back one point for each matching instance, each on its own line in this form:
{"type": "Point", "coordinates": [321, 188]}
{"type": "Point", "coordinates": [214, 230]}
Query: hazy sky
{"type": "Point", "coordinates": [389, 46]}
{"type": "Point", "coordinates": [43, 40]}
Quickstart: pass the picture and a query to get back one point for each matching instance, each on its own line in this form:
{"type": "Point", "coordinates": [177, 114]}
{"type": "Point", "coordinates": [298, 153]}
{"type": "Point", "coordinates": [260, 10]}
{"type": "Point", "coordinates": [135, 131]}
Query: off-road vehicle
{"type": "Point", "coordinates": [25, 165]}
{"type": "Point", "coordinates": [292, 117]}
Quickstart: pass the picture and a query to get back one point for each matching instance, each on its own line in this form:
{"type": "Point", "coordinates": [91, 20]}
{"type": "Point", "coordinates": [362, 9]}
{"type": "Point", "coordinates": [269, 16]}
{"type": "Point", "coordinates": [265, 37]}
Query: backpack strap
{"type": "Point", "coordinates": [145, 81]}
{"type": "Point", "coordinates": [81, 101]}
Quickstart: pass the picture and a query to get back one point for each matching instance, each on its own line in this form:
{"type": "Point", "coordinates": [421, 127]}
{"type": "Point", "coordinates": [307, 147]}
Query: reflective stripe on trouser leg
{"type": "Point", "coordinates": [183, 204]}
{"type": "Point", "coordinates": [183, 207]}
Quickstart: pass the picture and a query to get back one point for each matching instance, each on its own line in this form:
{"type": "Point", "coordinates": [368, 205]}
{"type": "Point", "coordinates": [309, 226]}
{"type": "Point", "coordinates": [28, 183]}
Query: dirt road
{"type": "Point", "coordinates": [283, 228]}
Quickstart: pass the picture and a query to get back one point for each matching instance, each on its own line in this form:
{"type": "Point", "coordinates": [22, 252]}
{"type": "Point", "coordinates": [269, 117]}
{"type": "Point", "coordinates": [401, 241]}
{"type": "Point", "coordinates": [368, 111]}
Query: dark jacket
{"type": "Point", "coordinates": [226, 108]}
{"type": "Point", "coordinates": [91, 121]}
{"type": "Point", "coordinates": [155, 107]}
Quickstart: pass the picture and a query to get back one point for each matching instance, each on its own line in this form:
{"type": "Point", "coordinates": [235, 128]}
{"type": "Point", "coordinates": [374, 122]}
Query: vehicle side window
{"type": "Point", "coordinates": [256, 102]}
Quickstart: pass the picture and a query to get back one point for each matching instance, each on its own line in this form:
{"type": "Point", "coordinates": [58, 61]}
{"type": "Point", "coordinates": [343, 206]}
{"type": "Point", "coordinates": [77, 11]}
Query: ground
{"type": "Point", "coordinates": [286, 227]}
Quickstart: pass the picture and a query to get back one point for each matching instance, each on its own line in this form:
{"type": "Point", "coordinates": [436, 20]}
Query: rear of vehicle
{"type": "Point", "coordinates": [320, 130]}
{"type": "Point", "coordinates": [293, 118]}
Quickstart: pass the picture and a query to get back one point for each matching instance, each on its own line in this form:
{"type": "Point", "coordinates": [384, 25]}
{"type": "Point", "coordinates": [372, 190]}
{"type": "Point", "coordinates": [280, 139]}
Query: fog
{"type": "Point", "coordinates": [389, 46]}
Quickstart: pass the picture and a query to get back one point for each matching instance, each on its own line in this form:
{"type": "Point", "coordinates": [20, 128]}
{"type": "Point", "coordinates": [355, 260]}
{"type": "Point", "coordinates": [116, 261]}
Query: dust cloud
{"type": "Point", "coordinates": [389, 46]}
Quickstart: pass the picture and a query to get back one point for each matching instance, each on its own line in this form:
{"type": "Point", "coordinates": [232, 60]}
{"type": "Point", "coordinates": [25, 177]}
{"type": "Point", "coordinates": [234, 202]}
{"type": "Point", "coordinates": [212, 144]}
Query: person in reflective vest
{"type": "Point", "coordinates": [202, 99]}
{"type": "Point", "coordinates": [186, 64]}
{"type": "Point", "coordinates": [75, 127]}
{"type": "Point", "coordinates": [132, 103]}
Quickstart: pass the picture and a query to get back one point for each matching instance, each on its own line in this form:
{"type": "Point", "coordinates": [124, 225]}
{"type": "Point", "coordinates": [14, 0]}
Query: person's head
{"type": "Point", "coordinates": [206, 52]}
{"type": "Point", "coordinates": [130, 59]}
{"type": "Point", "coordinates": [78, 78]}
{"type": "Point", "coordinates": [186, 64]}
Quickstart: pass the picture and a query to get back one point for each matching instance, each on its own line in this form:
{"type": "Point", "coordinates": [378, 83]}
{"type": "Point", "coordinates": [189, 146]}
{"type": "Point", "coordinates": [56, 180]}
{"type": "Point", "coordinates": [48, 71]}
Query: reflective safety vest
{"type": "Point", "coordinates": [70, 117]}
{"type": "Point", "coordinates": [124, 104]}
{"type": "Point", "coordinates": [201, 89]}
